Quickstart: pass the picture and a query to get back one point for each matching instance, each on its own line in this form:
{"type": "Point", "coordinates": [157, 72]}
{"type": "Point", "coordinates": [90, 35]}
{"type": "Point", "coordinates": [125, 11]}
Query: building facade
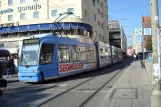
{"type": "Point", "coordinates": [21, 18]}
{"type": "Point", "coordinates": [113, 24]}
{"type": "Point", "coordinates": [129, 51]}
{"type": "Point", "coordinates": [117, 35]}
{"type": "Point", "coordinates": [146, 23]}
{"type": "Point", "coordinates": [137, 47]}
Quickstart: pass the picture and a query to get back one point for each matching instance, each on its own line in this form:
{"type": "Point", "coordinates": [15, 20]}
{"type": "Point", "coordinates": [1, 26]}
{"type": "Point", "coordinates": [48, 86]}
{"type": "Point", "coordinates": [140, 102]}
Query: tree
{"type": "Point", "coordinates": [148, 43]}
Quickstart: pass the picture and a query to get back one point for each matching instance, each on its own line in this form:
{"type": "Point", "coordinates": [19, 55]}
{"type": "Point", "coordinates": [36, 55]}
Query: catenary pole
{"type": "Point", "coordinates": [156, 94]}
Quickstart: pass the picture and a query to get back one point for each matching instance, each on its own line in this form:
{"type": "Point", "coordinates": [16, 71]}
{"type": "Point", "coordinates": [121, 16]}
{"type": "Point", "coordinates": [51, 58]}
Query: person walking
{"type": "Point", "coordinates": [137, 57]}
{"type": "Point", "coordinates": [10, 66]}
{"type": "Point", "coordinates": [134, 57]}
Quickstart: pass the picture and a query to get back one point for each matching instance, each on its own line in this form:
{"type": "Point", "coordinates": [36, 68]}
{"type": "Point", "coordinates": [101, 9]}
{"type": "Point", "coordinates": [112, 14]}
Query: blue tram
{"type": "Point", "coordinates": [46, 56]}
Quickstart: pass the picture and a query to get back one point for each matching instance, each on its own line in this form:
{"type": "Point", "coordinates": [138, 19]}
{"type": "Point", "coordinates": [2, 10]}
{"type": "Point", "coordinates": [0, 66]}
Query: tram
{"type": "Point", "coordinates": [46, 56]}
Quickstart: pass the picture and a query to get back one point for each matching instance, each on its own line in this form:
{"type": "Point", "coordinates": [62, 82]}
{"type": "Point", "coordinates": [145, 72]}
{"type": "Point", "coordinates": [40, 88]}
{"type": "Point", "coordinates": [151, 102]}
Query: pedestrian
{"type": "Point", "coordinates": [1, 71]}
{"type": "Point", "coordinates": [142, 64]}
{"type": "Point", "coordinates": [10, 66]}
{"type": "Point", "coordinates": [134, 57]}
{"type": "Point", "coordinates": [137, 57]}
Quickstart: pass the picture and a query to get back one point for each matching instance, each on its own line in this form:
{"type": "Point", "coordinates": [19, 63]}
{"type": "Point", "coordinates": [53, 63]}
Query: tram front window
{"type": "Point", "coordinates": [30, 54]}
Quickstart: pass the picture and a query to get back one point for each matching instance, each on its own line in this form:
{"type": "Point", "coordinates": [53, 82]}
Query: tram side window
{"type": "Point", "coordinates": [109, 52]}
{"type": "Point", "coordinates": [83, 54]}
{"type": "Point", "coordinates": [91, 54]}
{"type": "Point", "coordinates": [46, 53]}
{"type": "Point", "coordinates": [105, 53]}
{"type": "Point", "coordinates": [63, 53]}
{"type": "Point", "coordinates": [74, 54]}
{"type": "Point", "coordinates": [102, 50]}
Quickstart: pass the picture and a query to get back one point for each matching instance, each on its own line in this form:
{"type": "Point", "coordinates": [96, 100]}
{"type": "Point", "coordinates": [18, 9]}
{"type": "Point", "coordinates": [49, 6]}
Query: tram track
{"type": "Point", "coordinates": [44, 88]}
{"type": "Point", "coordinates": [90, 97]}
{"type": "Point", "coordinates": [85, 102]}
{"type": "Point", "coordinates": [60, 81]}
{"type": "Point", "coordinates": [41, 89]}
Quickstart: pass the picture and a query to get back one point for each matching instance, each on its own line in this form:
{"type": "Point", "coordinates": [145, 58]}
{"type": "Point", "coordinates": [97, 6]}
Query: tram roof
{"type": "Point", "coordinates": [63, 40]}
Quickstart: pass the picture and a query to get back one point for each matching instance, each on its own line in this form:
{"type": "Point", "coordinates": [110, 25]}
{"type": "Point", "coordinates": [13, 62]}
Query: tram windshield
{"type": "Point", "coordinates": [30, 54]}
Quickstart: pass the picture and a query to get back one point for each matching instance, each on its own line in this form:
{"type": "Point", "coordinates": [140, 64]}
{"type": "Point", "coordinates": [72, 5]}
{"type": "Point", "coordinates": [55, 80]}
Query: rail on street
{"type": "Point", "coordinates": [124, 84]}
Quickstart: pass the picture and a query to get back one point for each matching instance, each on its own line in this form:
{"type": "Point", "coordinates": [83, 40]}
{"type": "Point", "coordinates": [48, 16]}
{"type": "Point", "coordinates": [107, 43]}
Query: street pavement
{"type": "Point", "coordinates": [19, 94]}
{"type": "Point", "coordinates": [133, 89]}
{"type": "Point", "coordinates": [11, 79]}
{"type": "Point", "coordinates": [130, 88]}
{"type": "Point", "coordinates": [78, 95]}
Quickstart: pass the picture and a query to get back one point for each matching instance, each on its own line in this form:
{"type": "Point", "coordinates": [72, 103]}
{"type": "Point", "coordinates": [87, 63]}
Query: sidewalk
{"type": "Point", "coordinates": [10, 79]}
{"type": "Point", "coordinates": [133, 89]}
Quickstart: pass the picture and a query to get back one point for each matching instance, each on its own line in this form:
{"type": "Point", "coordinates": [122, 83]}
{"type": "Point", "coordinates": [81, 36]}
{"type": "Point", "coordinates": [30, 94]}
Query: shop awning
{"type": "Point", "coordinates": [44, 26]}
{"type": "Point", "coordinates": [12, 29]}
{"type": "Point", "coordinates": [56, 26]}
{"type": "Point", "coordinates": [33, 27]}
{"type": "Point", "coordinates": [88, 27]}
{"type": "Point", "coordinates": [3, 30]}
{"type": "Point", "coordinates": [66, 26]}
{"type": "Point", "coordinates": [23, 28]}
{"type": "Point", "coordinates": [74, 25]}
{"type": "Point", "coordinates": [81, 26]}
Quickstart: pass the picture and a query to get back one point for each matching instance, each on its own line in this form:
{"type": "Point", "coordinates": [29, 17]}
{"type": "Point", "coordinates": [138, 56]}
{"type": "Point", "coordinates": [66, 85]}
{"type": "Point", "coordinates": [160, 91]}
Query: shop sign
{"type": "Point", "coordinates": [9, 24]}
{"type": "Point", "coordinates": [31, 7]}
{"type": "Point", "coordinates": [9, 10]}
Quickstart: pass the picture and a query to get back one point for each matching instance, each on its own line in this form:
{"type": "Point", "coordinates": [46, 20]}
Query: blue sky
{"type": "Point", "coordinates": [132, 11]}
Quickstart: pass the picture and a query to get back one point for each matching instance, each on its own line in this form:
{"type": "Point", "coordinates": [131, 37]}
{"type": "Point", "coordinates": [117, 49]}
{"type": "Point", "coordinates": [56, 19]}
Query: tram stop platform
{"type": "Point", "coordinates": [133, 89]}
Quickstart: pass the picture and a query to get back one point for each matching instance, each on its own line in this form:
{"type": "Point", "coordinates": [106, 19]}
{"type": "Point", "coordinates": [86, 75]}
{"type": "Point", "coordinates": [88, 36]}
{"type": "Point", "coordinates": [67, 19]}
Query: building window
{"type": "Point", "coordinates": [22, 16]}
{"type": "Point", "coordinates": [98, 1]}
{"type": "Point", "coordinates": [54, 13]}
{"type": "Point", "coordinates": [93, 2]}
{"type": "Point", "coordinates": [22, 1]}
{"type": "Point", "coordinates": [101, 14]}
{"type": "Point", "coordinates": [94, 17]}
{"type": "Point", "coordinates": [85, 12]}
{"type": "Point", "coordinates": [35, 0]}
{"type": "Point", "coordinates": [9, 17]}
{"type": "Point", "coordinates": [98, 23]}
{"type": "Point", "coordinates": [71, 10]}
{"type": "Point", "coordinates": [99, 11]}
{"type": "Point", "coordinates": [35, 15]}
{"type": "Point", "coordinates": [102, 25]}
{"type": "Point", "coordinates": [10, 2]}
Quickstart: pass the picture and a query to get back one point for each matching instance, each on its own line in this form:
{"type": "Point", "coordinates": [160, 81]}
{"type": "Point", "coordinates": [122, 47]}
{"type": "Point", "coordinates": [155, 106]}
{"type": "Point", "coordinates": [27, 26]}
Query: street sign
{"type": "Point", "coordinates": [138, 39]}
{"type": "Point", "coordinates": [138, 31]}
{"type": "Point", "coordinates": [147, 31]}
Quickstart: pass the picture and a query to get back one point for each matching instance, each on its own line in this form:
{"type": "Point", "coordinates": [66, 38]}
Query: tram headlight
{"type": "Point", "coordinates": [36, 71]}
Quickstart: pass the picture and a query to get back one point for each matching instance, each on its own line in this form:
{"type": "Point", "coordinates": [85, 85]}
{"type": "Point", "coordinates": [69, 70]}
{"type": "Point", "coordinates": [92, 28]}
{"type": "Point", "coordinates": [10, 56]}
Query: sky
{"type": "Point", "coordinates": [132, 11]}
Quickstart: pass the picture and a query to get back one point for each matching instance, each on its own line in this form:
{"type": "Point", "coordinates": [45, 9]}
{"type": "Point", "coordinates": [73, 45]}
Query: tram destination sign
{"type": "Point", "coordinates": [31, 41]}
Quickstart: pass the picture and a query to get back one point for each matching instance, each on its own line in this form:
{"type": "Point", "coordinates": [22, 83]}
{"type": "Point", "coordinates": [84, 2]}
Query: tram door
{"type": "Point", "coordinates": [48, 61]}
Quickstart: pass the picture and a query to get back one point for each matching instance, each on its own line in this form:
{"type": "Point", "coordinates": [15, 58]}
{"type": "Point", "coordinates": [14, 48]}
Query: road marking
{"type": "Point", "coordinates": [87, 91]}
{"type": "Point", "coordinates": [62, 85]}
